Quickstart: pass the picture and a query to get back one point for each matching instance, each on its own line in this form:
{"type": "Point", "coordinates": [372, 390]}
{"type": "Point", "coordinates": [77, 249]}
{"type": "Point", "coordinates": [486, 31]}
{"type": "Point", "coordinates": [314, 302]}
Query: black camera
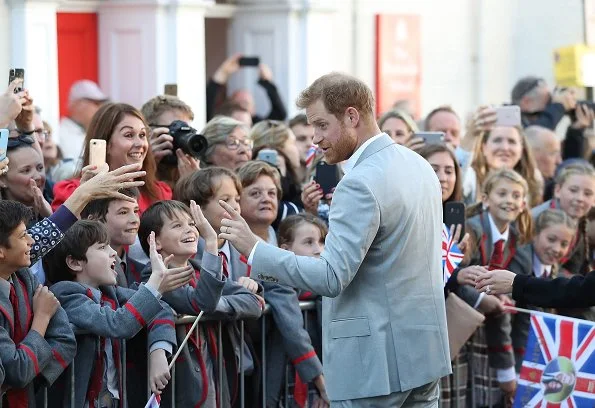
{"type": "Point", "coordinates": [187, 139]}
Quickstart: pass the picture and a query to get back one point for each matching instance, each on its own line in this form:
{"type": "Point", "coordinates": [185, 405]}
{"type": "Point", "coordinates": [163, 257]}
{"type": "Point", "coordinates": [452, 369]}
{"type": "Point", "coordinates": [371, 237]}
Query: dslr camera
{"type": "Point", "coordinates": [187, 139]}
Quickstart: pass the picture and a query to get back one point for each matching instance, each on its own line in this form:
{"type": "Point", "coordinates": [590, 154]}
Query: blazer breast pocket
{"type": "Point", "coordinates": [350, 327]}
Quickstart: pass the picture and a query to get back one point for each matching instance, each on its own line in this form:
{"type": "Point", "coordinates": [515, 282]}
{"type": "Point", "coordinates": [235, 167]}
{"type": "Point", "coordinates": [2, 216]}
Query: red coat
{"type": "Point", "coordinates": [63, 189]}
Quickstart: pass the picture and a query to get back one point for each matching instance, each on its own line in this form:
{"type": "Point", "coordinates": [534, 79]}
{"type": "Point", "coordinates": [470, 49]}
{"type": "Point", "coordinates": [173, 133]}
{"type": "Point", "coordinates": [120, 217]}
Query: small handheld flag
{"type": "Point", "coordinates": [451, 254]}
{"type": "Point", "coordinates": [311, 154]}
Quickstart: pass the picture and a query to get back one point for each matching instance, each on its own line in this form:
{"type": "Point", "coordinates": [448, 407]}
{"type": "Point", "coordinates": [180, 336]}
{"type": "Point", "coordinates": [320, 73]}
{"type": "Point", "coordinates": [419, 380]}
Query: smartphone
{"type": "Point", "coordinates": [431, 137]}
{"type": "Point", "coordinates": [97, 152]}
{"type": "Point", "coordinates": [15, 73]}
{"type": "Point", "coordinates": [328, 176]}
{"type": "Point", "coordinates": [270, 156]}
{"type": "Point", "coordinates": [454, 214]}
{"type": "Point", "coordinates": [3, 143]}
{"type": "Point", "coordinates": [508, 116]}
{"type": "Point", "coordinates": [249, 61]}
{"type": "Point", "coordinates": [170, 89]}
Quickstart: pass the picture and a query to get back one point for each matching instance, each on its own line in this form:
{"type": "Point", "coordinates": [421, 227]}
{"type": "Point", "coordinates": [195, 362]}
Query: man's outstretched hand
{"type": "Point", "coordinates": [235, 229]}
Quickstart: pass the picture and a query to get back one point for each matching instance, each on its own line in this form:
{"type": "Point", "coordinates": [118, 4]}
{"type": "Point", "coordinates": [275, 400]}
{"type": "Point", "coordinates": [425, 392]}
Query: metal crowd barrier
{"type": "Point", "coordinates": [305, 306]}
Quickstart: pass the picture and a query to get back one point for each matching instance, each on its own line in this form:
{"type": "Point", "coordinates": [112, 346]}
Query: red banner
{"type": "Point", "coordinates": [398, 61]}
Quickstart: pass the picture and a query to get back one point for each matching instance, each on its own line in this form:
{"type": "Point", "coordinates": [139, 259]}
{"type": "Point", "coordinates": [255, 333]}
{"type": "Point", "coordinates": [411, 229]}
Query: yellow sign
{"type": "Point", "coordinates": [574, 66]}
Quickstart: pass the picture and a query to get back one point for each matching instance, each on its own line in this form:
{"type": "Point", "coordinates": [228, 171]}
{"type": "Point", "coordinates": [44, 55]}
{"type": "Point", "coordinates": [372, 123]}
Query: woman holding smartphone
{"type": "Point", "coordinates": [125, 131]}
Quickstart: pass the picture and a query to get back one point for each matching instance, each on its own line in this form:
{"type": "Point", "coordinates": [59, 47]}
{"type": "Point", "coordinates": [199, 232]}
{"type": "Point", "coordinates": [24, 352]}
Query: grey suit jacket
{"type": "Point", "coordinates": [384, 320]}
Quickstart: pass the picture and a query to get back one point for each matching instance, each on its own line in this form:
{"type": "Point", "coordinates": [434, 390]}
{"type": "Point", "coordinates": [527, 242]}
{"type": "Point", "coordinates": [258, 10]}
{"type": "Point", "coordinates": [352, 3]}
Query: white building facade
{"type": "Point", "coordinates": [469, 52]}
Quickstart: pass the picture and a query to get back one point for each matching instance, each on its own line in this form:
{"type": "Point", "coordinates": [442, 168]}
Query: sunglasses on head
{"type": "Point", "coordinates": [20, 140]}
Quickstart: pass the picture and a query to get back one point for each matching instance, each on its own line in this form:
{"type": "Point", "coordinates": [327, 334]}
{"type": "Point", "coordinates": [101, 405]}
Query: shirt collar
{"type": "Point", "coordinates": [5, 286]}
{"type": "Point", "coordinates": [226, 250]}
{"type": "Point", "coordinates": [539, 268]}
{"type": "Point", "coordinates": [350, 164]}
{"type": "Point", "coordinates": [124, 260]}
{"type": "Point", "coordinates": [95, 291]}
{"type": "Point", "coordinates": [495, 233]}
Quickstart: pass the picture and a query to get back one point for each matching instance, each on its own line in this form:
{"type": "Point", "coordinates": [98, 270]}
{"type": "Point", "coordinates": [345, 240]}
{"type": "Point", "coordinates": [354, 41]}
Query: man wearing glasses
{"type": "Point", "coordinates": [538, 105]}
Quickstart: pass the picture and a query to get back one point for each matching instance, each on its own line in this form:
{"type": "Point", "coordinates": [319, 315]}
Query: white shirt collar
{"type": "Point", "coordinates": [495, 233]}
{"type": "Point", "coordinates": [350, 164]}
{"type": "Point", "coordinates": [539, 268]}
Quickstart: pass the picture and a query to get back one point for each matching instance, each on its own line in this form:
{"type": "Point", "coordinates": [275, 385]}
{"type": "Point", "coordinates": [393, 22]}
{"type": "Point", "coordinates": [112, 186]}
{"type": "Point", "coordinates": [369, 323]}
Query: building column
{"type": "Point", "coordinates": [33, 46]}
{"type": "Point", "coordinates": [145, 44]}
{"type": "Point", "coordinates": [293, 37]}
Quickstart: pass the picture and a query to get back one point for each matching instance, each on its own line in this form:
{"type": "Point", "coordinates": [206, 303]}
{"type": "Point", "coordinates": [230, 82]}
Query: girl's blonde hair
{"type": "Point", "coordinates": [526, 166]}
{"type": "Point", "coordinates": [551, 217]}
{"type": "Point", "coordinates": [401, 115]}
{"type": "Point", "coordinates": [575, 169]}
{"type": "Point", "coordinates": [524, 221]}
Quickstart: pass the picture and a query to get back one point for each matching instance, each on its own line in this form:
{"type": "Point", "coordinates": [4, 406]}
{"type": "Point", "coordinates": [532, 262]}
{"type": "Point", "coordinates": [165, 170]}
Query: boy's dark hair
{"type": "Point", "coordinates": [152, 219]}
{"type": "Point", "coordinates": [200, 185]}
{"type": "Point", "coordinates": [13, 213]}
{"type": "Point", "coordinates": [77, 240]}
{"type": "Point", "coordinates": [286, 230]}
{"type": "Point", "coordinates": [97, 209]}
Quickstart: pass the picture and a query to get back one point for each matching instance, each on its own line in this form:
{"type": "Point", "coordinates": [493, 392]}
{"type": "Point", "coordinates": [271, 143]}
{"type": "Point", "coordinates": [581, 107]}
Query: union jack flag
{"type": "Point", "coordinates": [451, 254]}
{"type": "Point", "coordinates": [154, 401]}
{"type": "Point", "coordinates": [559, 365]}
{"type": "Point", "coordinates": [311, 154]}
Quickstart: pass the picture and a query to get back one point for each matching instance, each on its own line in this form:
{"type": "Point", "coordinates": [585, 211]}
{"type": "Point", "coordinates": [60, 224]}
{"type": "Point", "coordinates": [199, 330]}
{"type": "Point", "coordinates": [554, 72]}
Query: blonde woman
{"type": "Point", "coordinates": [401, 128]}
{"type": "Point", "coordinates": [502, 147]}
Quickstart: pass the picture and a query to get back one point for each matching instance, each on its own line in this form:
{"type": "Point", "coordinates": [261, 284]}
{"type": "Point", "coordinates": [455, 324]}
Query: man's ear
{"type": "Point", "coordinates": [74, 264]}
{"type": "Point", "coordinates": [352, 117]}
{"type": "Point", "coordinates": [2, 252]}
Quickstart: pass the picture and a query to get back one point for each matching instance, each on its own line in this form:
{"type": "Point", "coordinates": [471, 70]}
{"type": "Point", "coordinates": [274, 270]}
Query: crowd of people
{"type": "Point", "coordinates": [126, 246]}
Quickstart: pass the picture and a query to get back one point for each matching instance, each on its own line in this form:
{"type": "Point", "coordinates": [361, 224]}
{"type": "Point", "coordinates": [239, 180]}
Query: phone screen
{"type": "Point", "coordinates": [15, 73]}
{"type": "Point", "coordinates": [249, 61]}
{"type": "Point", "coordinates": [3, 143]}
{"type": "Point", "coordinates": [270, 156]}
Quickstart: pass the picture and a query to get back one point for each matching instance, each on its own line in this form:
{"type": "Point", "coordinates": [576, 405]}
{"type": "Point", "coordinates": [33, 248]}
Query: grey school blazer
{"type": "Point", "coordinates": [384, 319]}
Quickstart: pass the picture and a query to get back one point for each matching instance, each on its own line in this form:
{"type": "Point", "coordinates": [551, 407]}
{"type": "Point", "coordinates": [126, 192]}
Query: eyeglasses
{"type": "Point", "coordinates": [233, 144]}
{"type": "Point", "coordinates": [42, 133]}
{"type": "Point", "coordinates": [19, 141]}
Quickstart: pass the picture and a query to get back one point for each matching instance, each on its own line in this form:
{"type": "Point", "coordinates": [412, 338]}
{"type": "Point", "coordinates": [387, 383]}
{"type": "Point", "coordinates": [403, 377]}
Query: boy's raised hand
{"type": "Point", "coordinates": [204, 228]}
{"type": "Point", "coordinates": [162, 278]}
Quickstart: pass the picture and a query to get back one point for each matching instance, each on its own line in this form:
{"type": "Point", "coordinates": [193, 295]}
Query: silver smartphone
{"type": "Point", "coordinates": [509, 116]}
{"type": "Point", "coordinates": [431, 137]}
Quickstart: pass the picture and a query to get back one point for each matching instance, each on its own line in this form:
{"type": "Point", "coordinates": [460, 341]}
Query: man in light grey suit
{"type": "Point", "coordinates": [384, 323]}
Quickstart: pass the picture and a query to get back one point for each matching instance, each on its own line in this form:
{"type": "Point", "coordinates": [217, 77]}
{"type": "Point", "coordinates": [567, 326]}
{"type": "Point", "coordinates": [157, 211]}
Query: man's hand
{"type": "Point", "coordinates": [265, 72]}
{"type": "Point", "coordinates": [415, 143]}
{"type": "Point", "coordinates": [235, 229]}
{"type": "Point", "coordinates": [225, 70]}
{"type": "Point", "coordinates": [163, 279]}
{"type": "Point", "coordinates": [324, 401]}
{"type": "Point", "coordinates": [161, 142]}
{"type": "Point", "coordinates": [584, 117]}
{"type": "Point", "coordinates": [566, 97]}
{"type": "Point", "coordinates": [159, 374]}
{"type": "Point", "coordinates": [11, 104]}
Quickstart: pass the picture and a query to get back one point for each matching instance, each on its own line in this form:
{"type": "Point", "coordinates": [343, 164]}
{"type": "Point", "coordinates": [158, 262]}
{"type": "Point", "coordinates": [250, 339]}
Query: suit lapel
{"type": "Point", "coordinates": [377, 145]}
{"type": "Point", "coordinates": [486, 244]}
